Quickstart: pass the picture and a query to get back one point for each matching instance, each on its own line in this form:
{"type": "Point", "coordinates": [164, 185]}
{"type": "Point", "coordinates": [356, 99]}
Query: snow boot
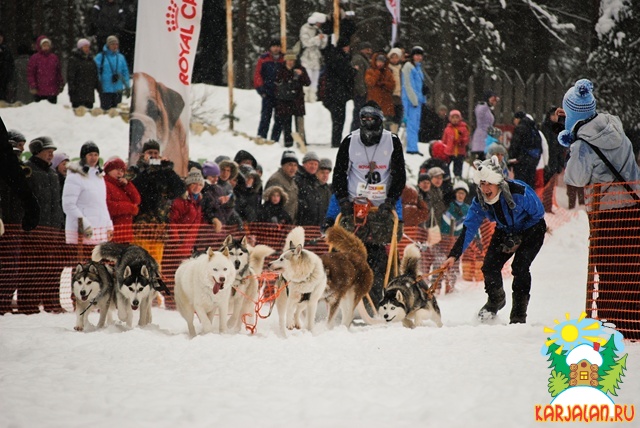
{"type": "Point", "coordinates": [495, 302]}
{"type": "Point", "coordinates": [519, 308]}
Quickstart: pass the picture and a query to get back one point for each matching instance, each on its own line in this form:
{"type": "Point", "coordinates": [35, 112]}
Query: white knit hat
{"type": "Point", "coordinates": [490, 171]}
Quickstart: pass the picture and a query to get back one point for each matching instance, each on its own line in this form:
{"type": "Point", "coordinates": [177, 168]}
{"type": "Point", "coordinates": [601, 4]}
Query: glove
{"type": "Point", "coordinates": [31, 216]}
{"type": "Point", "coordinates": [1, 227]}
{"type": "Point", "coordinates": [388, 205]}
{"type": "Point", "coordinates": [346, 207]}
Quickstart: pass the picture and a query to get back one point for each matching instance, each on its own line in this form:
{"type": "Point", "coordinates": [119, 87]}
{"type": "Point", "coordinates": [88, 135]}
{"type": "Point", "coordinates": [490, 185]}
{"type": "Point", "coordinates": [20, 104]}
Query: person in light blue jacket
{"type": "Point", "coordinates": [113, 73]}
{"type": "Point", "coordinates": [614, 205]}
{"type": "Point", "coordinates": [520, 228]}
{"type": "Point", "coordinates": [413, 97]}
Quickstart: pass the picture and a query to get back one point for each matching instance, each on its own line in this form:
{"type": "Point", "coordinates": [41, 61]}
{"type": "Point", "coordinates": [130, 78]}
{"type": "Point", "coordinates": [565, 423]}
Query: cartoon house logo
{"type": "Point", "coordinates": [586, 370]}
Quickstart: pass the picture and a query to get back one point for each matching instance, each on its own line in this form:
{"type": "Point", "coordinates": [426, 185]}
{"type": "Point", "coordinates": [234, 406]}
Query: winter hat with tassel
{"type": "Point", "coordinates": [578, 104]}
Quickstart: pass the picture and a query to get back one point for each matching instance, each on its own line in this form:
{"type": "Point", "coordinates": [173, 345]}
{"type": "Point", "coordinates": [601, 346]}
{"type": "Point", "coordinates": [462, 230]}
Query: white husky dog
{"type": "Point", "coordinates": [306, 278]}
{"type": "Point", "coordinates": [203, 285]}
{"type": "Point", "coordinates": [248, 262]}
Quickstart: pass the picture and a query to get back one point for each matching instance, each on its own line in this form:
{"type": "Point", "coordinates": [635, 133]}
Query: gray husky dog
{"type": "Point", "coordinates": [137, 279]}
{"type": "Point", "coordinates": [248, 262]}
{"type": "Point", "coordinates": [408, 298]}
{"type": "Point", "coordinates": [92, 285]}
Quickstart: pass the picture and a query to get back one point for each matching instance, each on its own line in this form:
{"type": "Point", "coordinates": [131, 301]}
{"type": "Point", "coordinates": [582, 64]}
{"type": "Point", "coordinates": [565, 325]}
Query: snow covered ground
{"type": "Point", "coordinates": [461, 375]}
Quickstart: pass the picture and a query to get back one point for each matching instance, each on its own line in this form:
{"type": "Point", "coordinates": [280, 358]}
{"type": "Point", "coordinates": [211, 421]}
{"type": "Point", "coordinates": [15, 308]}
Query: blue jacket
{"type": "Point", "coordinates": [527, 213]}
{"type": "Point", "coordinates": [113, 63]}
{"type": "Point", "coordinates": [412, 82]}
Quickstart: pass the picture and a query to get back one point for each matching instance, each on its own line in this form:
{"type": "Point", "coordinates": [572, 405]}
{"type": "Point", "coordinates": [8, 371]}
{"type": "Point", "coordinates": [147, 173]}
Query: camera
{"type": "Point", "coordinates": [115, 78]}
{"type": "Point", "coordinates": [510, 243]}
{"type": "Point", "coordinates": [155, 161]}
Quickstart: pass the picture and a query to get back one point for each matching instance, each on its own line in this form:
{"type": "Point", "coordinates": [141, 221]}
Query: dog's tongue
{"type": "Point", "coordinates": [216, 287]}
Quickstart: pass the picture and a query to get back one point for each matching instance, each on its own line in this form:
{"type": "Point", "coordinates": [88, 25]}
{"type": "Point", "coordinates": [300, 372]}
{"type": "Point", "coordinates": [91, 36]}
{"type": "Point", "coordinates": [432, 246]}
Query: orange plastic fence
{"type": "Point", "coordinates": [36, 267]}
{"type": "Point", "coordinates": [613, 279]}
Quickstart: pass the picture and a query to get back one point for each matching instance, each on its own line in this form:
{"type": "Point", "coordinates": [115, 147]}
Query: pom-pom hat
{"type": "Point", "coordinates": [579, 103]}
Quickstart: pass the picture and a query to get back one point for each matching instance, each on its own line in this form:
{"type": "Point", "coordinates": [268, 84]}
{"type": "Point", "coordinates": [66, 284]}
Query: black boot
{"type": "Point", "coordinates": [519, 308]}
{"type": "Point", "coordinates": [495, 302]}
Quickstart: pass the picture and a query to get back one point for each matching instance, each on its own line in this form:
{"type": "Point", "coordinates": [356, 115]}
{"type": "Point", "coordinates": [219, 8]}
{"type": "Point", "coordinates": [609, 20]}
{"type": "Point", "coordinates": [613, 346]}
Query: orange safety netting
{"type": "Point", "coordinates": [36, 267]}
{"type": "Point", "coordinates": [613, 280]}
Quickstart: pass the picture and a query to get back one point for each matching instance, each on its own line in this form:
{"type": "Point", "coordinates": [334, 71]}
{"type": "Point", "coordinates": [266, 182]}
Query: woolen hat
{"type": "Point", "coordinates": [417, 50]}
{"type": "Point", "coordinates": [488, 94]}
{"type": "Point", "coordinates": [579, 103]}
{"type": "Point", "coordinates": [88, 147]}
{"type": "Point", "coordinates": [364, 45]}
{"type": "Point", "coordinates": [210, 169]}
{"type": "Point", "coordinates": [41, 143]}
{"type": "Point", "coordinates": [325, 163]}
{"type": "Point", "coordinates": [150, 145]}
{"type": "Point", "coordinates": [395, 51]}
{"type": "Point", "coordinates": [461, 185]}
{"type": "Point", "coordinates": [45, 40]}
{"type": "Point", "coordinates": [496, 149]}
{"type": "Point", "coordinates": [221, 158]}
{"type": "Point", "coordinates": [114, 163]}
{"type": "Point", "coordinates": [455, 113]}
{"type": "Point", "coordinates": [288, 156]}
{"type": "Point", "coordinates": [194, 177]}
{"type": "Point", "coordinates": [83, 42]}
{"type": "Point", "coordinates": [15, 137]}
{"type": "Point", "coordinates": [435, 171]}
{"type": "Point", "coordinates": [112, 39]}
{"type": "Point", "coordinates": [58, 158]}
{"type": "Point", "coordinates": [275, 42]}
{"type": "Point", "coordinates": [422, 177]}
{"type": "Point", "coordinates": [310, 156]}
{"type": "Point", "coordinates": [317, 18]}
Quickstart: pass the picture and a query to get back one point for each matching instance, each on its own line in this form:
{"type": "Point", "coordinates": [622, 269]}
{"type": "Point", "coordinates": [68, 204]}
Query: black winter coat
{"type": "Point", "coordinates": [270, 213]}
{"type": "Point", "coordinates": [248, 199]}
{"type": "Point", "coordinates": [82, 77]}
{"type": "Point", "coordinates": [339, 77]}
{"type": "Point", "coordinates": [46, 187]}
{"type": "Point", "coordinates": [309, 200]}
{"type": "Point", "coordinates": [158, 185]}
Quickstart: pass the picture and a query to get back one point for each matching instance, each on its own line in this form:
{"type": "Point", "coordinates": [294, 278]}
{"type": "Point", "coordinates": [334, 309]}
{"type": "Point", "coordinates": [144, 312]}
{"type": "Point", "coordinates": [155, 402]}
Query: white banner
{"type": "Point", "coordinates": [166, 41]}
{"type": "Point", "coordinates": [394, 10]}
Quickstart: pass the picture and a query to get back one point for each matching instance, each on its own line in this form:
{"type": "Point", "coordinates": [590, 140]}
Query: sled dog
{"type": "Point", "coordinates": [137, 279]}
{"type": "Point", "coordinates": [203, 286]}
{"type": "Point", "coordinates": [407, 297]}
{"type": "Point", "coordinates": [304, 273]}
{"type": "Point", "coordinates": [248, 262]}
{"type": "Point", "coordinates": [349, 277]}
{"type": "Point", "coordinates": [92, 285]}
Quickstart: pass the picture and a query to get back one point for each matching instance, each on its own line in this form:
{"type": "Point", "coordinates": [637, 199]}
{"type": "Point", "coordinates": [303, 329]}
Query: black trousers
{"type": "Point", "coordinates": [495, 259]}
{"type": "Point", "coordinates": [338, 113]}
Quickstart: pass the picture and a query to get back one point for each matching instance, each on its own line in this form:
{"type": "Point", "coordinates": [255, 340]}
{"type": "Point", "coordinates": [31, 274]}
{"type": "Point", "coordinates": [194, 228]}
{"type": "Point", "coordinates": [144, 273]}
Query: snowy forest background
{"type": "Point", "coordinates": [567, 40]}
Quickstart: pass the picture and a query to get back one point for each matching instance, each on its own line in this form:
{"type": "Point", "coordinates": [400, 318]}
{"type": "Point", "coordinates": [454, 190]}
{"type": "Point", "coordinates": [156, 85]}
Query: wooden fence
{"type": "Point", "coordinates": [534, 95]}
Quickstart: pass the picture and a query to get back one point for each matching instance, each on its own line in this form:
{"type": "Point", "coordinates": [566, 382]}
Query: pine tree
{"type": "Point", "coordinates": [558, 361]}
{"type": "Point", "coordinates": [609, 355]}
{"type": "Point", "coordinates": [611, 380]}
{"type": "Point", "coordinates": [614, 59]}
{"type": "Point", "coordinates": [558, 382]}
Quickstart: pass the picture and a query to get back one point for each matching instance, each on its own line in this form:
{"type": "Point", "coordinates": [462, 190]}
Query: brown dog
{"type": "Point", "coordinates": [155, 114]}
{"type": "Point", "coordinates": [349, 277]}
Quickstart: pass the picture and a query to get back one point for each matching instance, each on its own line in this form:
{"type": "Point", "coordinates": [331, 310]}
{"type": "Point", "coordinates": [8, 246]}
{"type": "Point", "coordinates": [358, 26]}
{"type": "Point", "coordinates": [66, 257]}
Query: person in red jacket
{"type": "Point", "coordinates": [186, 213]}
{"type": "Point", "coordinates": [123, 200]}
{"type": "Point", "coordinates": [456, 139]}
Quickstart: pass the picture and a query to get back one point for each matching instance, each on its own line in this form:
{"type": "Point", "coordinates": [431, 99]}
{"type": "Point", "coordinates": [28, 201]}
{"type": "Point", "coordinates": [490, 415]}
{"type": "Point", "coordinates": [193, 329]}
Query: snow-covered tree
{"type": "Point", "coordinates": [615, 59]}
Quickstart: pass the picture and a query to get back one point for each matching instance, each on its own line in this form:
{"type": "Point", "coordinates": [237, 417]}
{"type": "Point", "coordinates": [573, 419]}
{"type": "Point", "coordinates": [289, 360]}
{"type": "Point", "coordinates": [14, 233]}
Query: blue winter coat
{"type": "Point", "coordinates": [412, 82]}
{"type": "Point", "coordinates": [113, 63]}
{"type": "Point", "coordinates": [527, 212]}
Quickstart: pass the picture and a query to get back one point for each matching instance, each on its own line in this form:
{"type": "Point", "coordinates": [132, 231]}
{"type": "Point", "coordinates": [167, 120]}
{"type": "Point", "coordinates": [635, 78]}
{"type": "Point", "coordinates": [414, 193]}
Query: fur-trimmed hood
{"type": "Point", "coordinates": [231, 164]}
{"type": "Point", "coordinates": [266, 195]}
{"type": "Point", "coordinates": [77, 168]}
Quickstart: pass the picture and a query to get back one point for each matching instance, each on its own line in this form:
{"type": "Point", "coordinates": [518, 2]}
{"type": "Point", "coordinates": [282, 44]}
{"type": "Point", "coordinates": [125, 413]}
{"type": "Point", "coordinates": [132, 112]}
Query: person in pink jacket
{"type": "Point", "coordinates": [44, 73]}
{"type": "Point", "coordinates": [456, 138]}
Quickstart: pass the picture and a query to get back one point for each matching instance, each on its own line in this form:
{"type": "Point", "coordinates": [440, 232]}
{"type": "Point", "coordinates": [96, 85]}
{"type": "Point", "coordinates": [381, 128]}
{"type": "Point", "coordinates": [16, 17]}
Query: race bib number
{"type": "Point", "coordinates": [373, 192]}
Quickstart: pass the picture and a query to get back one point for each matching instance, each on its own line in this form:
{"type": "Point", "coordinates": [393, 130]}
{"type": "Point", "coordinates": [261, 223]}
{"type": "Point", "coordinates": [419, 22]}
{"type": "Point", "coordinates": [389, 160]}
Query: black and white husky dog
{"type": "Point", "coordinates": [137, 279]}
{"type": "Point", "coordinates": [408, 297]}
{"type": "Point", "coordinates": [92, 285]}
